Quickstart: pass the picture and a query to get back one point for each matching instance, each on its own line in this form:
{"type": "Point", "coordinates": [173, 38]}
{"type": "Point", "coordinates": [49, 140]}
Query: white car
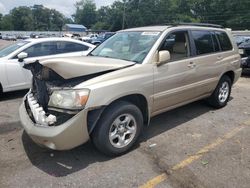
{"type": "Point", "coordinates": [14, 77]}
{"type": "Point", "coordinates": [89, 37]}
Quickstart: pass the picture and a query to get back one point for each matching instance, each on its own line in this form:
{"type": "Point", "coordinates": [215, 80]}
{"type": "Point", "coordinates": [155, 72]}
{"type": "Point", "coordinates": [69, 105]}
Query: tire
{"type": "Point", "coordinates": [221, 94]}
{"type": "Point", "coordinates": [118, 128]}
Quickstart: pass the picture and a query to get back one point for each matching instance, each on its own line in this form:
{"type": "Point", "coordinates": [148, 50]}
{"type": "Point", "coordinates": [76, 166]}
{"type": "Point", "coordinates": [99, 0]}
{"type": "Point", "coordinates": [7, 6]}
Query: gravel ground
{"type": "Point", "coordinates": [172, 137]}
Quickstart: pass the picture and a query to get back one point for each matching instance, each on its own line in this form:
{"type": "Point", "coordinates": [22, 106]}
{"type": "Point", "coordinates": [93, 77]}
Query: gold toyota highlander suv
{"type": "Point", "coordinates": [136, 74]}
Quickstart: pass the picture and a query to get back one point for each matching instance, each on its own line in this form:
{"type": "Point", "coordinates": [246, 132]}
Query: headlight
{"type": "Point", "coordinates": [241, 51]}
{"type": "Point", "coordinates": [69, 99]}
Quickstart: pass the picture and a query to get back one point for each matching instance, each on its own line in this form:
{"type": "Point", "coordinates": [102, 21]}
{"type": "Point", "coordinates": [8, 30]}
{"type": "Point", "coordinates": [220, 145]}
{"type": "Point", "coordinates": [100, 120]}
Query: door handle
{"type": "Point", "coordinates": [191, 65]}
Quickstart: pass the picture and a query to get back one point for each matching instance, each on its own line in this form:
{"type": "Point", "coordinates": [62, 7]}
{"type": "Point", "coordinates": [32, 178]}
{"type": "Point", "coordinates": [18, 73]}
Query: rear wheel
{"type": "Point", "coordinates": [118, 128]}
{"type": "Point", "coordinates": [221, 94]}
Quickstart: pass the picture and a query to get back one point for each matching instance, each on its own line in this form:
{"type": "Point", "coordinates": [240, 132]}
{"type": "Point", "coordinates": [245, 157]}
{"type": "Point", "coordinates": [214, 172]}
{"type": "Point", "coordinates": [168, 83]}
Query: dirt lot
{"type": "Point", "coordinates": [192, 146]}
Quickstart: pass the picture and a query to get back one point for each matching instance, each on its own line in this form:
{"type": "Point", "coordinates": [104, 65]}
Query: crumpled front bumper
{"type": "Point", "coordinates": [68, 135]}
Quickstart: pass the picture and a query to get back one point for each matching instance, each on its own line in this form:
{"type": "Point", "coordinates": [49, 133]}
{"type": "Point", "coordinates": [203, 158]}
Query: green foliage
{"type": "Point", "coordinates": [234, 14]}
{"type": "Point", "coordinates": [6, 23]}
{"type": "Point", "coordinates": [22, 19]}
{"type": "Point", "coordinates": [85, 13]}
{"type": "Point", "coordinates": [47, 19]}
{"type": "Point", "coordinates": [38, 18]}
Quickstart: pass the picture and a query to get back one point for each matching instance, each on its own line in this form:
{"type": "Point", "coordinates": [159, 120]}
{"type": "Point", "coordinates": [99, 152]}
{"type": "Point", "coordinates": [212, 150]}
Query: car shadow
{"type": "Point", "coordinates": [175, 118]}
{"type": "Point", "coordinates": [63, 163]}
{"type": "Point", "coordinates": [13, 95]}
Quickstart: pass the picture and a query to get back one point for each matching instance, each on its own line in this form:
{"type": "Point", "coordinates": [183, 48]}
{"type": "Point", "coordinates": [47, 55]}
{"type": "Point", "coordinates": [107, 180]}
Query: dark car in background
{"type": "Point", "coordinates": [244, 50]}
{"type": "Point", "coordinates": [243, 42]}
{"type": "Point", "coordinates": [239, 39]}
{"type": "Point", "coordinates": [101, 38]}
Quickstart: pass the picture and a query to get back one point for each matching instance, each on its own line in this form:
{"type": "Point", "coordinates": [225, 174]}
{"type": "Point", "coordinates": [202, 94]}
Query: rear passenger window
{"type": "Point", "coordinates": [225, 42]}
{"type": "Point", "coordinates": [203, 42]}
{"type": "Point", "coordinates": [68, 47]}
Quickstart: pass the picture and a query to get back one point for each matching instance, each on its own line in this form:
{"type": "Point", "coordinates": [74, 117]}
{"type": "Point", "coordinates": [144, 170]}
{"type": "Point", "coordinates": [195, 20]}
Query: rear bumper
{"type": "Point", "coordinates": [68, 135]}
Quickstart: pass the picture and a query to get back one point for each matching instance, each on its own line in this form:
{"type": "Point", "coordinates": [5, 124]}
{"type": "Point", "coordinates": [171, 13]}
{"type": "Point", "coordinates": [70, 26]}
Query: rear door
{"type": "Point", "coordinates": [206, 59]}
{"type": "Point", "coordinates": [209, 59]}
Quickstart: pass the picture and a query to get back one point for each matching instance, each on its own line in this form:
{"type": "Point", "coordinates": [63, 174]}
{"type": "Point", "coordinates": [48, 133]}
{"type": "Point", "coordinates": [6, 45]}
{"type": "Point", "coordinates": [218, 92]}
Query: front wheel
{"type": "Point", "coordinates": [118, 128]}
{"type": "Point", "coordinates": [221, 94]}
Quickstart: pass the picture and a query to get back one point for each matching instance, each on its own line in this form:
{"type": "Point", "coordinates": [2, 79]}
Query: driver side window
{"type": "Point", "coordinates": [177, 44]}
{"type": "Point", "coordinates": [42, 49]}
{"type": "Point", "coordinates": [34, 50]}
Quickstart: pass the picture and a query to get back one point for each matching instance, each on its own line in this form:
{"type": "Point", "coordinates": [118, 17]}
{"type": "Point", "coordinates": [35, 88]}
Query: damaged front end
{"type": "Point", "coordinates": [51, 100]}
{"type": "Point", "coordinates": [54, 112]}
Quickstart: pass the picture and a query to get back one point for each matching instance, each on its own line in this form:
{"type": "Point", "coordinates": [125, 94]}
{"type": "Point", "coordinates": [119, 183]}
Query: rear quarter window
{"type": "Point", "coordinates": [224, 40]}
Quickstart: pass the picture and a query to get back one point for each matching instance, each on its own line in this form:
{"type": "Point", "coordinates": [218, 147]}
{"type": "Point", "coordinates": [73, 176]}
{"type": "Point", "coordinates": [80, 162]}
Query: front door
{"type": "Point", "coordinates": [174, 81]}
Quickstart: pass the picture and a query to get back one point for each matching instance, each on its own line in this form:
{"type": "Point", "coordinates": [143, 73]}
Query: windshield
{"type": "Point", "coordinates": [11, 48]}
{"type": "Point", "coordinates": [130, 46]}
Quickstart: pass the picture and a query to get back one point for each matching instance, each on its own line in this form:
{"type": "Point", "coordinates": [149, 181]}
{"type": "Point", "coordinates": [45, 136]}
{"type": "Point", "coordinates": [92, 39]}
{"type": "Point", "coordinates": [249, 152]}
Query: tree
{"type": "Point", "coordinates": [22, 19]}
{"type": "Point", "coordinates": [234, 14]}
{"type": "Point", "coordinates": [47, 19]}
{"type": "Point", "coordinates": [1, 17]}
{"type": "Point", "coordinates": [42, 18]}
{"type": "Point", "coordinates": [85, 13]}
{"type": "Point", "coordinates": [57, 20]}
{"type": "Point", "coordinates": [37, 18]}
{"type": "Point", "coordinates": [6, 23]}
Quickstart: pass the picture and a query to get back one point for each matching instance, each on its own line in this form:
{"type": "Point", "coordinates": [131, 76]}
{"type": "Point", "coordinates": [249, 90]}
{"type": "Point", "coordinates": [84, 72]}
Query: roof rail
{"type": "Point", "coordinates": [196, 24]}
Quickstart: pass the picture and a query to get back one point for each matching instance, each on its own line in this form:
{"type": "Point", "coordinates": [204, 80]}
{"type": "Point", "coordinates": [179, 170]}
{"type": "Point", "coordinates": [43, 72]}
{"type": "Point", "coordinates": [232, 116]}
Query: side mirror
{"type": "Point", "coordinates": [22, 56]}
{"type": "Point", "coordinates": [164, 57]}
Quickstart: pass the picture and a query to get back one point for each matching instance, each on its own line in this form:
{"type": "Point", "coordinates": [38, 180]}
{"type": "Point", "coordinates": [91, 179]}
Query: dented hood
{"type": "Point", "coordinates": [80, 66]}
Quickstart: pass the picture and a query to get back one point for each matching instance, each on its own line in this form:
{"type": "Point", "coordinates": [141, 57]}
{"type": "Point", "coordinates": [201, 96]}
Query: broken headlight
{"type": "Point", "coordinates": [69, 99]}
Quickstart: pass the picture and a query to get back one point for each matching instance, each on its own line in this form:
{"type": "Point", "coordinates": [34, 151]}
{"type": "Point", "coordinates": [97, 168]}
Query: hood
{"type": "Point", "coordinates": [68, 72]}
{"type": "Point", "coordinates": [80, 66]}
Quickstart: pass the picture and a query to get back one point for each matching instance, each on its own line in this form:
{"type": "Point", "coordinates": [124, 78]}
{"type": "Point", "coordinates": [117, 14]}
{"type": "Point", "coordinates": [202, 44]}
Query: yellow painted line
{"type": "Point", "coordinates": [158, 179]}
{"type": "Point", "coordinates": [155, 181]}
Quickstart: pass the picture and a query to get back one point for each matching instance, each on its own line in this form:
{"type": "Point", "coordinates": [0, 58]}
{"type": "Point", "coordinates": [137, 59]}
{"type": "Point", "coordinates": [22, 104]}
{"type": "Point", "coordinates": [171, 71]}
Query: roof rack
{"type": "Point", "coordinates": [196, 24]}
